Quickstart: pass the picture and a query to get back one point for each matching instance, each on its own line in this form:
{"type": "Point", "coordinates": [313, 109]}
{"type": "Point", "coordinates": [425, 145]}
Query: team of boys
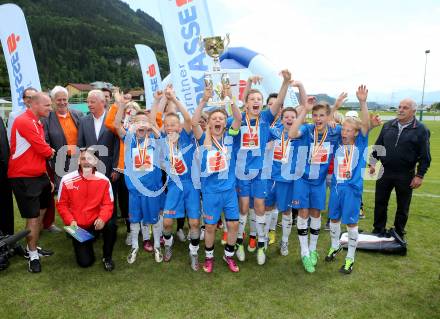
{"type": "Point", "coordinates": [240, 165]}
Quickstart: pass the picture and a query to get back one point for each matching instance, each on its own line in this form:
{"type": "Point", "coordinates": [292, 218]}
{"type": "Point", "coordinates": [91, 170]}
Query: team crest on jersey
{"type": "Point", "coordinates": [320, 154]}
{"type": "Point", "coordinates": [250, 138]}
{"type": "Point", "coordinates": [143, 160]}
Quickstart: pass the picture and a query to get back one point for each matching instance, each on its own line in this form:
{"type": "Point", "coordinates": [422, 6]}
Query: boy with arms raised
{"type": "Point", "coordinates": [218, 176]}
{"type": "Point", "coordinates": [317, 141]}
{"type": "Point", "coordinates": [254, 135]}
{"type": "Point", "coordinates": [347, 181]}
{"type": "Point", "coordinates": [181, 196]}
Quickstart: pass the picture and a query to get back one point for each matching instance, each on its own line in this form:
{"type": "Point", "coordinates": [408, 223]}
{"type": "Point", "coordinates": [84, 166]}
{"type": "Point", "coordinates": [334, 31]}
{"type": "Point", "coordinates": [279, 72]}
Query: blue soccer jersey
{"type": "Point", "coordinates": [142, 170]}
{"type": "Point", "coordinates": [182, 156]}
{"type": "Point", "coordinates": [283, 155]}
{"type": "Point", "coordinates": [350, 162]}
{"type": "Point", "coordinates": [319, 151]}
{"type": "Point", "coordinates": [218, 165]}
{"type": "Point", "coordinates": [252, 140]}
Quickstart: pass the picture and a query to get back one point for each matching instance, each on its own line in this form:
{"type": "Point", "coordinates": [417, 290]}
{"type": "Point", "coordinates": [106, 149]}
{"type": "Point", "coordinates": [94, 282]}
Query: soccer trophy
{"type": "Point", "coordinates": [217, 79]}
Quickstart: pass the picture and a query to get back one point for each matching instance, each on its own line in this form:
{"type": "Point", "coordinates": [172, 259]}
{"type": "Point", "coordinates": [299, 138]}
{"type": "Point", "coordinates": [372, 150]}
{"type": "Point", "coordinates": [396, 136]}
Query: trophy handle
{"type": "Point", "coordinates": [226, 41]}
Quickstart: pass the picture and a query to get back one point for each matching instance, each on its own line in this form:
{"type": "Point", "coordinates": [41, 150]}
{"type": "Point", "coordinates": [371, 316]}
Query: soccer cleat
{"type": "Point", "coordinates": [225, 238]}
{"type": "Point", "coordinates": [34, 266]}
{"type": "Point", "coordinates": [240, 252]}
{"type": "Point", "coordinates": [148, 246]}
{"type": "Point", "coordinates": [284, 248]}
{"type": "Point", "coordinates": [347, 268]}
{"type": "Point", "coordinates": [131, 258]}
{"type": "Point", "coordinates": [194, 260]}
{"type": "Point", "coordinates": [208, 265]}
{"type": "Point", "coordinates": [168, 253]}
{"type": "Point", "coordinates": [128, 239]}
{"type": "Point", "coordinates": [158, 255]}
{"type": "Point", "coordinates": [252, 244]}
{"type": "Point", "coordinates": [314, 257]}
{"type": "Point", "coordinates": [108, 264]}
{"type": "Point", "coordinates": [180, 235]}
{"type": "Point", "coordinates": [232, 265]}
{"type": "Point", "coordinates": [332, 253]}
{"type": "Point", "coordinates": [307, 263]}
{"type": "Point", "coordinates": [272, 237]}
{"type": "Point", "coordinates": [261, 256]}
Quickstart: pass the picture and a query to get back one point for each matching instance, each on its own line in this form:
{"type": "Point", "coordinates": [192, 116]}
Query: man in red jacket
{"type": "Point", "coordinates": [27, 171]}
{"type": "Point", "coordinates": [85, 199]}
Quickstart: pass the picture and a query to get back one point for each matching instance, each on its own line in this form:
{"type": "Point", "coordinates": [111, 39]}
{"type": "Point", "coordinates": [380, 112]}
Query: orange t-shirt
{"type": "Point", "coordinates": [70, 132]}
{"type": "Point", "coordinates": [110, 124]}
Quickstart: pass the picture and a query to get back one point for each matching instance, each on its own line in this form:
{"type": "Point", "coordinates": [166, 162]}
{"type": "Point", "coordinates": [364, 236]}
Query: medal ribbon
{"type": "Point", "coordinates": [221, 147]}
{"type": "Point", "coordinates": [275, 120]}
{"type": "Point", "coordinates": [315, 141]}
{"type": "Point", "coordinates": [171, 150]}
{"type": "Point", "coordinates": [284, 145]}
{"type": "Point", "coordinates": [141, 150]}
{"type": "Point", "coordinates": [348, 156]}
{"type": "Point", "coordinates": [248, 123]}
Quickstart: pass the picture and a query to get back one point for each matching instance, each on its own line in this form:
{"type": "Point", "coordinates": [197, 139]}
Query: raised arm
{"type": "Point", "coordinates": [155, 108]}
{"type": "Point", "coordinates": [119, 102]}
{"type": "Point", "coordinates": [197, 130]}
{"type": "Point", "coordinates": [207, 143]}
{"type": "Point", "coordinates": [236, 114]}
{"type": "Point", "coordinates": [275, 107]}
{"type": "Point", "coordinates": [362, 94]}
{"type": "Point", "coordinates": [254, 79]}
{"type": "Point", "coordinates": [294, 129]}
{"type": "Point", "coordinates": [342, 98]}
{"type": "Point", "coordinates": [171, 96]}
{"type": "Point", "coordinates": [302, 94]}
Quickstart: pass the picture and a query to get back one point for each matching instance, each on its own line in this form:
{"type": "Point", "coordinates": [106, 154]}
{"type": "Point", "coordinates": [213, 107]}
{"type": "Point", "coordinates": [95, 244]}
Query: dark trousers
{"type": "Point", "coordinates": [6, 207]}
{"type": "Point", "coordinates": [384, 186]}
{"type": "Point", "coordinates": [122, 195]}
{"type": "Point", "coordinates": [85, 256]}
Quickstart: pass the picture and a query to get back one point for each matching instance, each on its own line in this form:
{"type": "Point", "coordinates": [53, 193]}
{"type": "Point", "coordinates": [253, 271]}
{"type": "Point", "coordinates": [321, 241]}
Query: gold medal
{"type": "Point", "coordinates": [348, 156]}
{"type": "Point", "coordinates": [317, 145]}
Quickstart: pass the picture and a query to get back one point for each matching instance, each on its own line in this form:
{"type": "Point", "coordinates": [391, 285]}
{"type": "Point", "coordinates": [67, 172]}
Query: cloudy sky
{"type": "Point", "coordinates": [332, 46]}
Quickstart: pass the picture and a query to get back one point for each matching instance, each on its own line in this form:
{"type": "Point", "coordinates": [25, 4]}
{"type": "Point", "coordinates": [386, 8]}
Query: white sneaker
{"type": "Point", "coordinates": [240, 253]}
{"type": "Point", "coordinates": [158, 255]}
{"type": "Point", "coordinates": [181, 235]}
{"type": "Point", "coordinates": [131, 258]}
{"type": "Point", "coordinates": [128, 239]}
{"type": "Point", "coordinates": [261, 256]}
{"type": "Point", "coordinates": [284, 249]}
{"type": "Point", "coordinates": [202, 234]}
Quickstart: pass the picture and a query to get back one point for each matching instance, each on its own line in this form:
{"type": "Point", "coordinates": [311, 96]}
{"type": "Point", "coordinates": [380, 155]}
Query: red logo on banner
{"type": "Point", "coordinates": [151, 70]}
{"type": "Point", "coordinates": [182, 2]}
{"type": "Point", "coordinates": [12, 42]}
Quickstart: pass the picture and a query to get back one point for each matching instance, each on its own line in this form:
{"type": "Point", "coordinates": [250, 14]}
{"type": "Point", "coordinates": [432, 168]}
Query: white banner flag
{"type": "Point", "coordinates": [183, 21]}
{"type": "Point", "coordinates": [18, 52]}
{"type": "Point", "coordinates": [150, 73]}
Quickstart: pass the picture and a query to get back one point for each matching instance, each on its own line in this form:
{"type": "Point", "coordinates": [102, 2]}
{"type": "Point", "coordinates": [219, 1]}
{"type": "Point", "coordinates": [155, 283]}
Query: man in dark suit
{"type": "Point", "coordinates": [6, 204]}
{"type": "Point", "coordinates": [92, 132]}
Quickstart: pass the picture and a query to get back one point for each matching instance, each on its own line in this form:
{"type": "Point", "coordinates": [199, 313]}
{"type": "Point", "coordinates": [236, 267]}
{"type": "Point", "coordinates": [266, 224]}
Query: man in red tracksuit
{"type": "Point", "coordinates": [85, 199]}
{"type": "Point", "coordinates": [27, 172]}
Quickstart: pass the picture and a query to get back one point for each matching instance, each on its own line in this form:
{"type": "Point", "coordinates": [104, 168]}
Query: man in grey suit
{"type": "Point", "coordinates": [61, 131]}
{"type": "Point", "coordinates": [93, 133]}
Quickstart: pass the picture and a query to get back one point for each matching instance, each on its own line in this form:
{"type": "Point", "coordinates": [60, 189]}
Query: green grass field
{"type": "Point", "coordinates": [380, 285]}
